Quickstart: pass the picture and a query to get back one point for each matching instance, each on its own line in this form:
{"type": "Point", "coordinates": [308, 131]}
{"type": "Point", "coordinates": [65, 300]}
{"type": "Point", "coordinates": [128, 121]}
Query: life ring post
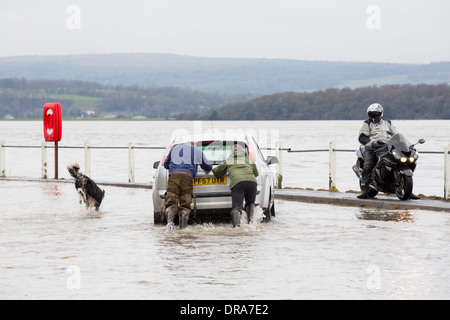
{"type": "Point", "coordinates": [56, 160]}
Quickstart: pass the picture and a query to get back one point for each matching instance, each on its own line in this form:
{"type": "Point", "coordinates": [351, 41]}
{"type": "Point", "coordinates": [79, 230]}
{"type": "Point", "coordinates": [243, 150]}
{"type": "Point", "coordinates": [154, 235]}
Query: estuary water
{"type": "Point", "coordinates": [52, 248]}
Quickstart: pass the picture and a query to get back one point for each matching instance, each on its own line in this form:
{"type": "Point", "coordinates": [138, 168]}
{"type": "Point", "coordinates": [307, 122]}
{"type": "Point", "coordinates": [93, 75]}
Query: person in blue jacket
{"type": "Point", "coordinates": [182, 163]}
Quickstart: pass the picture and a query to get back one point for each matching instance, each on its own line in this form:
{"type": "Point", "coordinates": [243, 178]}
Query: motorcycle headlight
{"type": "Point", "coordinates": [396, 155]}
{"type": "Point", "coordinates": [403, 159]}
{"type": "Point", "coordinates": [411, 159]}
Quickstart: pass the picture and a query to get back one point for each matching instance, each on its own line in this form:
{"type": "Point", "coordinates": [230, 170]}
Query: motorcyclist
{"type": "Point", "coordinates": [374, 130]}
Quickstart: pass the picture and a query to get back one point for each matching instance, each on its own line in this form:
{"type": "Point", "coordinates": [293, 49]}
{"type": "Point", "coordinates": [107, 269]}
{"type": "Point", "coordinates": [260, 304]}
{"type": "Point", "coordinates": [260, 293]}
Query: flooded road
{"type": "Point", "coordinates": [52, 248]}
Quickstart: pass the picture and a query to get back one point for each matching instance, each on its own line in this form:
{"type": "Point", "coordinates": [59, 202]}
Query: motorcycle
{"type": "Point", "coordinates": [397, 159]}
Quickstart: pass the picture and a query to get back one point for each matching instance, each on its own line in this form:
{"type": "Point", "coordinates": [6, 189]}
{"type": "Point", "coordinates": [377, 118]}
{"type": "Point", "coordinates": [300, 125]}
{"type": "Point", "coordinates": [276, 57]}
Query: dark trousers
{"type": "Point", "coordinates": [243, 190]}
{"type": "Point", "coordinates": [370, 160]}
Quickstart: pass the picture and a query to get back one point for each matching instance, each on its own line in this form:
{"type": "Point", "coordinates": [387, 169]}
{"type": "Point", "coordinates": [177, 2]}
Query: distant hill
{"type": "Point", "coordinates": [20, 98]}
{"type": "Point", "coordinates": [219, 75]}
{"type": "Point", "coordinates": [400, 102]}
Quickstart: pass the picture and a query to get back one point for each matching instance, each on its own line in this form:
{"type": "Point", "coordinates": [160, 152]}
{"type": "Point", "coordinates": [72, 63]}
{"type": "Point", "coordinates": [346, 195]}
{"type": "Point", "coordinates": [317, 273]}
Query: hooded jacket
{"type": "Point", "coordinates": [240, 168]}
{"type": "Point", "coordinates": [371, 132]}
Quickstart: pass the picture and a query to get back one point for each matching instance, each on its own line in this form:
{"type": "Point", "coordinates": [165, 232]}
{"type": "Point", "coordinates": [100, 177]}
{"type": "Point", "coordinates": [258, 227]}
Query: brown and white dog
{"type": "Point", "coordinates": [87, 189]}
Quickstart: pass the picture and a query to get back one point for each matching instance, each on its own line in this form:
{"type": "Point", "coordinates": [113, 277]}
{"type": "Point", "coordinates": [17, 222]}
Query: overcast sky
{"type": "Point", "coordinates": [412, 31]}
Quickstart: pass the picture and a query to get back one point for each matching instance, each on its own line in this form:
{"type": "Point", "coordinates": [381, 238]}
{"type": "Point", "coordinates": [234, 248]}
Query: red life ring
{"type": "Point", "coordinates": [52, 121]}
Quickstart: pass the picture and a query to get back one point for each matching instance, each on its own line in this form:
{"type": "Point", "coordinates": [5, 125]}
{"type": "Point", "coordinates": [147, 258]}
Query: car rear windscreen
{"type": "Point", "coordinates": [218, 151]}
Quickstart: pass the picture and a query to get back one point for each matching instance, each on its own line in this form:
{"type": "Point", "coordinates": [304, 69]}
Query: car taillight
{"type": "Point", "coordinates": [166, 154]}
{"type": "Point", "coordinates": [251, 151]}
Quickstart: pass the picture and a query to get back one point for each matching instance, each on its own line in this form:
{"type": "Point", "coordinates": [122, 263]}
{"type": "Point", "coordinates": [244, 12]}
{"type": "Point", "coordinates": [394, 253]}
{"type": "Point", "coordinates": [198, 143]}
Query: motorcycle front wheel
{"type": "Point", "coordinates": [403, 186]}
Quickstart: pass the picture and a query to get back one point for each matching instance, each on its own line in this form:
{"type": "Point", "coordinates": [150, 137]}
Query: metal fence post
{"type": "Point", "coordinates": [87, 159]}
{"type": "Point", "coordinates": [44, 160]}
{"type": "Point", "coordinates": [130, 162]}
{"type": "Point", "coordinates": [447, 172]}
{"type": "Point", "coordinates": [2, 160]}
{"type": "Point", "coordinates": [279, 155]}
{"type": "Point", "coordinates": [332, 167]}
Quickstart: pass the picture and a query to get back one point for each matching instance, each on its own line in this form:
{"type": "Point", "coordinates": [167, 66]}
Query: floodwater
{"type": "Point", "coordinates": [52, 248]}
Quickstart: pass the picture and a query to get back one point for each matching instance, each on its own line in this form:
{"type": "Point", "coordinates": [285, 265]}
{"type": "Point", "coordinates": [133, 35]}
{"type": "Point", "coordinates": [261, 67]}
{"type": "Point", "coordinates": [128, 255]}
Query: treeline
{"type": "Point", "coordinates": [21, 98]}
{"type": "Point", "coordinates": [400, 102]}
{"type": "Point", "coordinates": [24, 99]}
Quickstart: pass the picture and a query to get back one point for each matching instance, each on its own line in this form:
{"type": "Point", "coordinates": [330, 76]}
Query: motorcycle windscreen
{"type": "Point", "coordinates": [400, 143]}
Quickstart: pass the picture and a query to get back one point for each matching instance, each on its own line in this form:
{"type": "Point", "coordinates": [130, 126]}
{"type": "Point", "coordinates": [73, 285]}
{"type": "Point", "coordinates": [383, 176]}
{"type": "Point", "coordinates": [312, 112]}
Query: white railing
{"type": "Point", "coordinates": [332, 164]}
{"type": "Point", "coordinates": [87, 156]}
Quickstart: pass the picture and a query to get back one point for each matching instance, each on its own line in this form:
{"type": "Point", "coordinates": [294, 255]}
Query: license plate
{"type": "Point", "coordinates": [207, 181]}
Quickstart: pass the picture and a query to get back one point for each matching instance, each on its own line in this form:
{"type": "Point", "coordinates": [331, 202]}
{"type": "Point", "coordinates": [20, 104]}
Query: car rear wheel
{"type": "Point", "coordinates": [159, 218]}
{"type": "Point", "coordinates": [270, 211]}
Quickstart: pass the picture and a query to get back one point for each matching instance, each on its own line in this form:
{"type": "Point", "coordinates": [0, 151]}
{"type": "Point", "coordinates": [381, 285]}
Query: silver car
{"type": "Point", "coordinates": [212, 196]}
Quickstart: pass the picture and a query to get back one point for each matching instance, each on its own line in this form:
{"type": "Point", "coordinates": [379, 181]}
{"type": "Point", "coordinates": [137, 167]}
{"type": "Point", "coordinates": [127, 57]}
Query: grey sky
{"type": "Point", "coordinates": [412, 31]}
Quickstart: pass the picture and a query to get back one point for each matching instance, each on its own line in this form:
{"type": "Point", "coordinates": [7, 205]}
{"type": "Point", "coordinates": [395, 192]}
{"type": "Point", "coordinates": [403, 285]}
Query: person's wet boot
{"type": "Point", "coordinates": [364, 192]}
{"type": "Point", "coordinates": [249, 209]}
{"type": "Point", "coordinates": [184, 222]}
{"type": "Point", "coordinates": [170, 218]}
{"type": "Point", "coordinates": [236, 218]}
{"type": "Point", "coordinates": [184, 217]}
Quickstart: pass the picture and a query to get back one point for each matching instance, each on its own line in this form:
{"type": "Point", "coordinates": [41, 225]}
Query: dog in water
{"type": "Point", "coordinates": [87, 189]}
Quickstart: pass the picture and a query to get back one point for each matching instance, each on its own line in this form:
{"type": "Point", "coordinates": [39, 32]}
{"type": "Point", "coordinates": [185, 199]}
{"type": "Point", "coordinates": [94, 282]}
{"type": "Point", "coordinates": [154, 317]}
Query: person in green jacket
{"type": "Point", "coordinates": [243, 172]}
